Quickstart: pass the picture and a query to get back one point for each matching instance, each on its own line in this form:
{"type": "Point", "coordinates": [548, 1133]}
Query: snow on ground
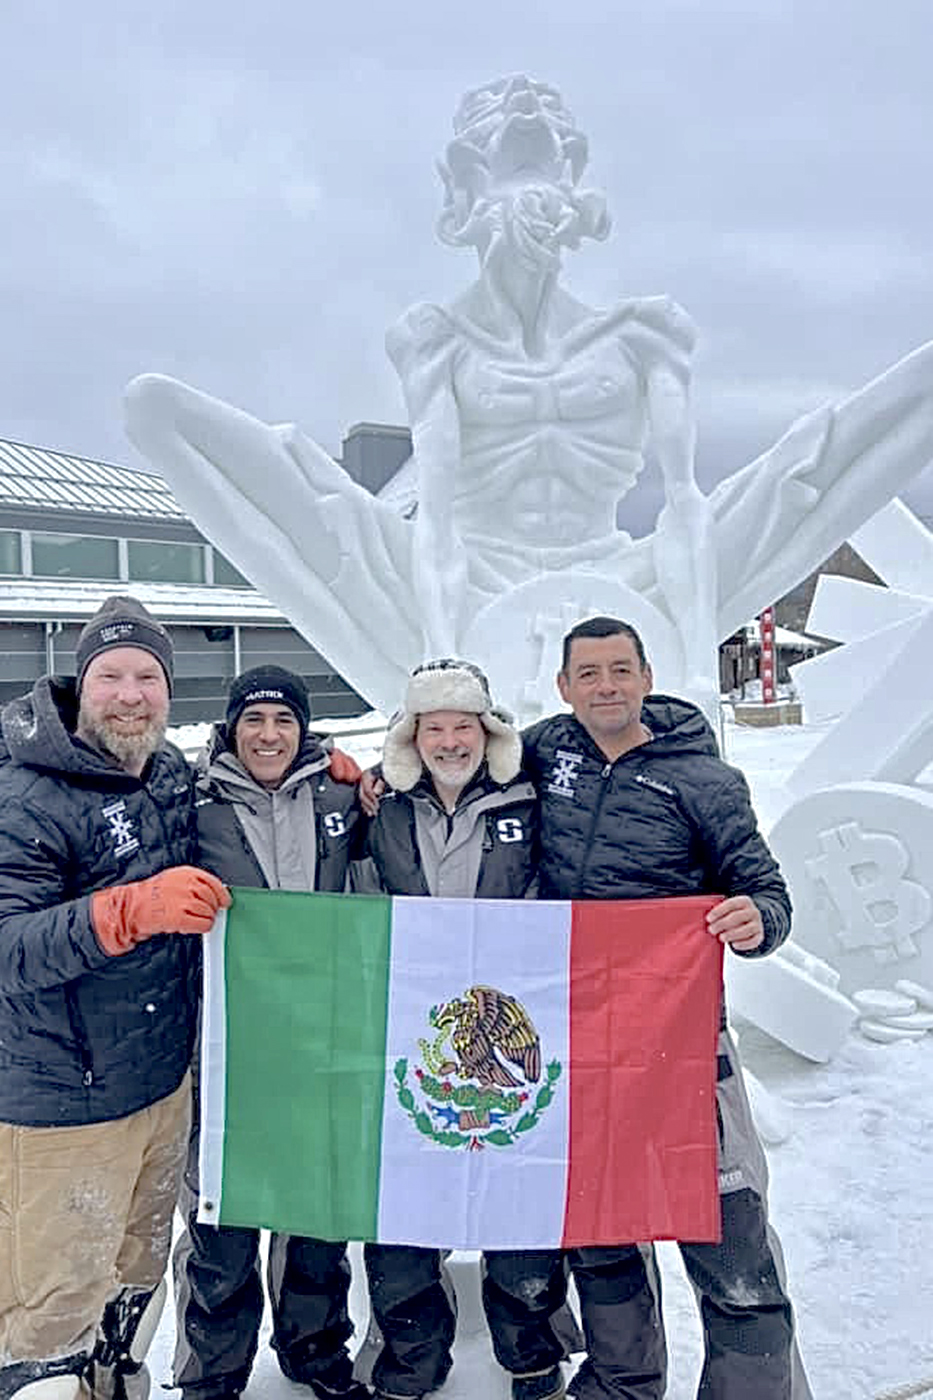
{"type": "Point", "coordinates": [851, 1196]}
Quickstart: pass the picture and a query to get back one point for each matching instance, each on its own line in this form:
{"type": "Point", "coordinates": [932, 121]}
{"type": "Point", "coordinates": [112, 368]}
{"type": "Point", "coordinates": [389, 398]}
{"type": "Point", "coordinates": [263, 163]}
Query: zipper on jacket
{"type": "Point", "coordinates": [79, 1031]}
{"type": "Point", "coordinates": [605, 775]}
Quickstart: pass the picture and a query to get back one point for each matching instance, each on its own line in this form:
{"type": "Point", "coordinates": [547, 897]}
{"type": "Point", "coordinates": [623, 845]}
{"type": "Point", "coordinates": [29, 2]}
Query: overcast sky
{"type": "Point", "coordinates": [244, 195]}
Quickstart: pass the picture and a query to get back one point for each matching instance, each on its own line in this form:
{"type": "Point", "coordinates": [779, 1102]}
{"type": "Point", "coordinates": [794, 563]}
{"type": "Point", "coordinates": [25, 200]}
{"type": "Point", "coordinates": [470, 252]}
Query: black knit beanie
{"type": "Point", "coordinates": [267, 685]}
{"type": "Point", "coordinates": [124, 622]}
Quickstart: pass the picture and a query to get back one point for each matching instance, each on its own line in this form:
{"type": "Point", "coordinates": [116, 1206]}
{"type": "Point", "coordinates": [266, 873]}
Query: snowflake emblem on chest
{"type": "Point", "coordinates": [564, 774]}
{"type": "Point", "coordinates": [123, 837]}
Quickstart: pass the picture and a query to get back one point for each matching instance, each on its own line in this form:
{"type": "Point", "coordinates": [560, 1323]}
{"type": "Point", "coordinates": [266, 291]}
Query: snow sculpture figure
{"type": "Point", "coordinates": [530, 415]}
{"type": "Point", "coordinates": [530, 411]}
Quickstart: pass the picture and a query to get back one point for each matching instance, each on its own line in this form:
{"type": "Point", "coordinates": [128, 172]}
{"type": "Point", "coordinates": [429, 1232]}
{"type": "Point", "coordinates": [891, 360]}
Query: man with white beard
{"type": "Point", "coordinates": [98, 1008]}
{"type": "Point", "coordinates": [459, 820]}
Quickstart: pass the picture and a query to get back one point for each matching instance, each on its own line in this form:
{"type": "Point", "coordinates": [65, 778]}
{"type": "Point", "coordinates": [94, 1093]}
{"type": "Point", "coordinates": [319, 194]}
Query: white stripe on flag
{"type": "Point", "coordinates": [213, 1073]}
{"type": "Point", "coordinates": [513, 1196]}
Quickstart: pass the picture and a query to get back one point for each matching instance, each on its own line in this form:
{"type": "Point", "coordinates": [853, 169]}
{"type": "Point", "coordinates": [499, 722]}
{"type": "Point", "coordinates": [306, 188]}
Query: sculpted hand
{"type": "Point", "coordinates": [343, 768]}
{"type": "Point", "coordinates": [182, 899]}
{"type": "Point", "coordinates": [736, 922]}
{"type": "Point", "coordinates": [371, 789]}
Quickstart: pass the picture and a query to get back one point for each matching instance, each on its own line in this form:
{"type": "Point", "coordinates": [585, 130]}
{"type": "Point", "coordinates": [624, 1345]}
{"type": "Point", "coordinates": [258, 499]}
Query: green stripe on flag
{"type": "Point", "coordinates": [306, 998]}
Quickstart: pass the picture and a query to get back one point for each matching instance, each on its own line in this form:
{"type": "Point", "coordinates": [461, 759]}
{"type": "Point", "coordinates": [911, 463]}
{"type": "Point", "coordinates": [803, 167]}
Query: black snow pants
{"type": "Point", "coordinates": [524, 1299]}
{"type": "Point", "coordinates": [750, 1351]}
{"type": "Point", "coordinates": [415, 1315]}
{"type": "Point", "coordinates": [747, 1319]}
{"type": "Point", "coordinates": [219, 1302]}
{"type": "Point", "coordinates": [524, 1293]}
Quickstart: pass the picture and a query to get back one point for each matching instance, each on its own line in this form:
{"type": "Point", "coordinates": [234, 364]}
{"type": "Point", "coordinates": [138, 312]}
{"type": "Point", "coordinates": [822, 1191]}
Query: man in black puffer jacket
{"type": "Point", "coordinates": [98, 1005]}
{"type": "Point", "coordinates": [636, 804]}
{"type": "Point", "coordinates": [270, 815]}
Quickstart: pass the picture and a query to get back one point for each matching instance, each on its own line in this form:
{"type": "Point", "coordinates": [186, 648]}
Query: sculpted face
{"type": "Point", "coordinates": [123, 705]}
{"type": "Point", "coordinates": [520, 125]}
{"type": "Point", "coordinates": [511, 173]}
{"type": "Point", "coordinates": [451, 745]}
{"type": "Point", "coordinates": [605, 684]}
{"type": "Point", "coordinates": [266, 740]}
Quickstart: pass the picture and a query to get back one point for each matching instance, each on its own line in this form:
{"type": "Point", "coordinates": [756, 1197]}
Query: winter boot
{"type": "Point", "coordinates": [126, 1331]}
{"type": "Point", "coordinates": [540, 1385]}
{"type": "Point", "coordinates": [331, 1381]}
{"type": "Point", "coordinates": [61, 1378]}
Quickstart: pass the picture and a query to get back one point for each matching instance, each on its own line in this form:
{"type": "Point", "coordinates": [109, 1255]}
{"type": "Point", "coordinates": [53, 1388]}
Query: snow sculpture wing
{"type": "Point", "coordinates": [781, 516]}
{"type": "Point", "coordinates": [335, 560]}
{"type": "Point", "coordinates": [341, 565]}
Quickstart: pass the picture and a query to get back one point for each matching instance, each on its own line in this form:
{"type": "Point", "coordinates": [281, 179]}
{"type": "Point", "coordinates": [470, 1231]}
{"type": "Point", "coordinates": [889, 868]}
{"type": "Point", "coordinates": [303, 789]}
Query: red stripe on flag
{"type": "Point", "coordinates": [645, 992]}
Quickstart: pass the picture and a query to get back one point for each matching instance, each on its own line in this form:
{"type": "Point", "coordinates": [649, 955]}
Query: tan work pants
{"type": "Point", "coordinates": [84, 1212]}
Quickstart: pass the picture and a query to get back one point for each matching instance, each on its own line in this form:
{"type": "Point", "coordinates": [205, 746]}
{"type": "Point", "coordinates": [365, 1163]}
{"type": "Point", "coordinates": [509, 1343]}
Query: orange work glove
{"type": "Point", "coordinates": [181, 899]}
{"type": "Point", "coordinates": [343, 768]}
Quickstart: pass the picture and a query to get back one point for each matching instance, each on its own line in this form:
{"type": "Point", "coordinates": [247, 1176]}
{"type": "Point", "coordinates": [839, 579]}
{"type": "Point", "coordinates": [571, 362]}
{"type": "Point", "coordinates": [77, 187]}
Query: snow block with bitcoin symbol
{"type": "Point", "coordinates": [856, 857]}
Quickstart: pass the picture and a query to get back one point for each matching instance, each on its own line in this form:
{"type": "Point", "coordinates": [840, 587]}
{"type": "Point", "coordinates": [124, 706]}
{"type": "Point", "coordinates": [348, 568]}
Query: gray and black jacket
{"type": "Point", "coordinates": [84, 1037]}
{"type": "Point", "coordinates": [487, 848]}
{"type": "Point", "coordinates": [667, 818]}
{"type": "Point", "coordinates": [298, 836]}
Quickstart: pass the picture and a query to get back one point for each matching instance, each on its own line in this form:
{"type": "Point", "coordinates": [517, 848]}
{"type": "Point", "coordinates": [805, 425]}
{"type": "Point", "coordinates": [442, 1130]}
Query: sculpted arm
{"type": "Point", "coordinates": [421, 349]}
{"type": "Point", "coordinates": [685, 557]}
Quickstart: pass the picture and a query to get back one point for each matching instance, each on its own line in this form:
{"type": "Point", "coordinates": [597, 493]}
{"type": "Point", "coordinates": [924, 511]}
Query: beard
{"type": "Point", "coordinates": [456, 775]}
{"type": "Point", "coordinates": [130, 747]}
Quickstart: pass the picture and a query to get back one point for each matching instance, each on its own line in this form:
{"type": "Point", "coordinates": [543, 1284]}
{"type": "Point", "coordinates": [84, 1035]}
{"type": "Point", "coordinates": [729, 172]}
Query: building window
{"type": "Point", "coordinates": [226, 574]}
{"type": "Point", "coordinates": [154, 562]}
{"type": "Point", "coordinates": [74, 556]}
{"type": "Point", "coordinates": [10, 552]}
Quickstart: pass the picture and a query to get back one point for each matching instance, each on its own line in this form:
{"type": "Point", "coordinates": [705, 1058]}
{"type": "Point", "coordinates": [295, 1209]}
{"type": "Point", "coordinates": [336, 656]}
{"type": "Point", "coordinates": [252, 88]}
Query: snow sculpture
{"type": "Point", "coordinates": [855, 844]}
{"type": "Point", "coordinates": [531, 414]}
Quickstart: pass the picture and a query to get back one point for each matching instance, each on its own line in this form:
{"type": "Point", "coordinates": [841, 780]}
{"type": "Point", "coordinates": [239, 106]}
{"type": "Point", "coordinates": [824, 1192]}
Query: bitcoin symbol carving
{"type": "Point", "coordinates": [862, 873]}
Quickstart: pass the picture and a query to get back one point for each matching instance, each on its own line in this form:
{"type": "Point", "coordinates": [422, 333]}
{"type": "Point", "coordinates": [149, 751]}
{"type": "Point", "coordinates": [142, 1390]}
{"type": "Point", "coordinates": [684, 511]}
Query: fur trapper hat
{"type": "Point", "coordinates": [449, 684]}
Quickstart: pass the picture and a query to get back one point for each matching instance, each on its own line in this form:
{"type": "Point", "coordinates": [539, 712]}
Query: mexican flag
{"type": "Point", "coordinates": [511, 1074]}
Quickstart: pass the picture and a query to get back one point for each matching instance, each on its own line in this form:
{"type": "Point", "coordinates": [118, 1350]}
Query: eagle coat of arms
{"type": "Point", "coordinates": [476, 1085]}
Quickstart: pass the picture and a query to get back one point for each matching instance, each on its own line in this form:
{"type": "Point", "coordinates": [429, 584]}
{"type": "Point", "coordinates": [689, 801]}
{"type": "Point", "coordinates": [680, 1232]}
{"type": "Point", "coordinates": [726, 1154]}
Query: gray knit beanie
{"type": "Point", "coordinates": [124, 622]}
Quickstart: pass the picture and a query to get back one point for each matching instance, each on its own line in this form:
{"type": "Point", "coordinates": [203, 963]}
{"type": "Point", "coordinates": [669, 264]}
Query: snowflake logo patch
{"type": "Point", "coordinates": [124, 839]}
{"type": "Point", "coordinates": [564, 774]}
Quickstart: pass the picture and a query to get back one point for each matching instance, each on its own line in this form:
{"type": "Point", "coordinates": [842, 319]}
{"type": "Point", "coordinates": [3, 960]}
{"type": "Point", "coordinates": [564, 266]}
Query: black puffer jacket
{"type": "Point", "coordinates": [85, 1038]}
{"type": "Point", "coordinates": [667, 818]}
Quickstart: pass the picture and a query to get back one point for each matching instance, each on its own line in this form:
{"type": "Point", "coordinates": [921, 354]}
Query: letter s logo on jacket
{"type": "Point", "coordinates": [510, 829]}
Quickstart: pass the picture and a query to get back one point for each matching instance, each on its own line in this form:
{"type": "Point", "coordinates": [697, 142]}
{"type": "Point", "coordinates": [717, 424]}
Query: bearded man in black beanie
{"type": "Point", "coordinates": [98, 1007]}
{"type": "Point", "coordinates": [130, 733]}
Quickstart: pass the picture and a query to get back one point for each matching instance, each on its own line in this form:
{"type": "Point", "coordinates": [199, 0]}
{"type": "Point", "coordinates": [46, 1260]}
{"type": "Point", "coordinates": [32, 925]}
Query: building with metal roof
{"type": "Point", "coordinates": [34, 478]}
{"type": "Point", "coordinates": [74, 530]}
